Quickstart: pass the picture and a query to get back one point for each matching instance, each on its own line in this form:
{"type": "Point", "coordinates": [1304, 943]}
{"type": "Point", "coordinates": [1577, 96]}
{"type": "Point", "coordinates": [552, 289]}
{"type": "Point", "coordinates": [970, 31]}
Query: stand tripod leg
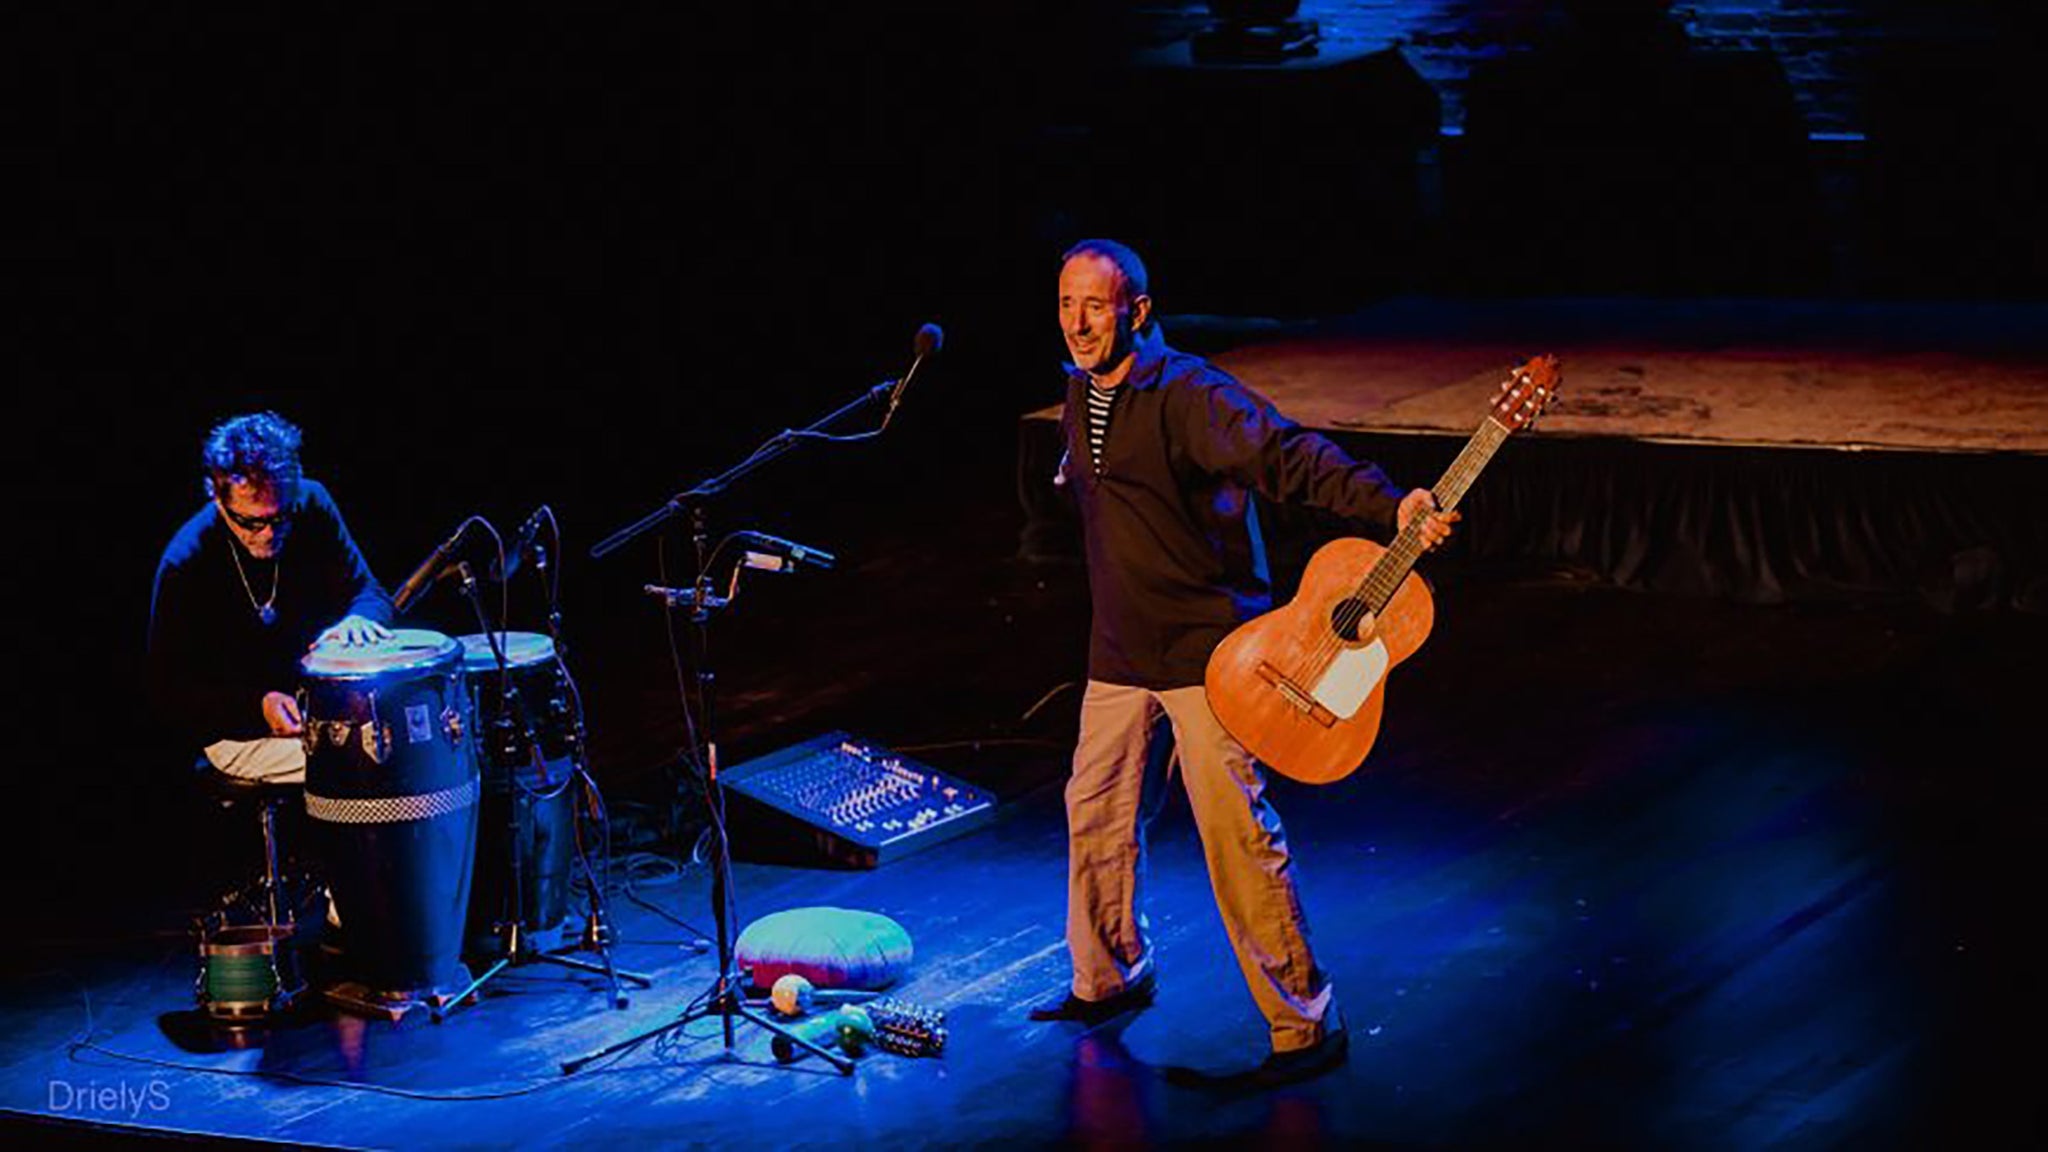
{"type": "Point", "coordinates": [441, 1011]}
{"type": "Point", "coordinates": [835, 1059]}
{"type": "Point", "coordinates": [518, 951]}
{"type": "Point", "coordinates": [598, 969]}
{"type": "Point", "coordinates": [570, 1067]}
{"type": "Point", "coordinates": [596, 938]}
{"type": "Point", "coordinates": [728, 1010]}
{"type": "Point", "coordinates": [613, 974]}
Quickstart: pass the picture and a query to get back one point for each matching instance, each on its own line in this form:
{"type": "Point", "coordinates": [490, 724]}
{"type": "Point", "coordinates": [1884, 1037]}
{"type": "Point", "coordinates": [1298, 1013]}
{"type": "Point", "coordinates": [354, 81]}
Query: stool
{"type": "Point", "coordinates": [249, 973]}
{"type": "Point", "coordinates": [267, 796]}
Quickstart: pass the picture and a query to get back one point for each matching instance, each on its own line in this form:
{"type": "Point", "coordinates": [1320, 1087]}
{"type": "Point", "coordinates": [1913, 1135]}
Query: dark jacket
{"type": "Point", "coordinates": [210, 658]}
{"type": "Point", "coordinates": [1175, 558]}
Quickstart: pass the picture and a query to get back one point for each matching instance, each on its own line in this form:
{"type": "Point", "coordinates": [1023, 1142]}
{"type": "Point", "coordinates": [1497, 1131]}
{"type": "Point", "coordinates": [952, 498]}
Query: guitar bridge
{"type": "Point", "coordinates": [1295, 695]}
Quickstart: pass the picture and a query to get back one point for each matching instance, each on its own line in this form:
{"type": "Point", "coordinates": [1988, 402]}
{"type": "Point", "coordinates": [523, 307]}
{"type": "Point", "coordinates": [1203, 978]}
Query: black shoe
{"type": "Point", "coordinates": [1275, 1070]}
{"type": "Point", "coordinates": [1305, 1063]}
{"type": "Point", "coordinates": [1092, 1012]}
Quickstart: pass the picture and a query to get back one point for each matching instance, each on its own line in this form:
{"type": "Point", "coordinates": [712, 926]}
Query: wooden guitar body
{"type": "Point", "coordinates": [1303, 698]}
{"type": "Point", "coordinates": [1302, 687]}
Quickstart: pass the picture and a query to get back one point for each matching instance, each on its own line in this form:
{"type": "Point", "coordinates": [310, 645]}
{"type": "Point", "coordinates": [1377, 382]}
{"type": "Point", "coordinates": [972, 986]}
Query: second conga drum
{"type": "Point", "coordinates": [391, 791]}
{"type": "Point", "coordinates": [526, 837]}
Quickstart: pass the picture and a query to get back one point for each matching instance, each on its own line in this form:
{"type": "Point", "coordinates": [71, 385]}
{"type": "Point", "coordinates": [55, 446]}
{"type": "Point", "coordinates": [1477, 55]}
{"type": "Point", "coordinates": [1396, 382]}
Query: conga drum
{"type": "Point", "coordinates": [527, 831]}
{"type": "Point", "coordinates": [391, 793]}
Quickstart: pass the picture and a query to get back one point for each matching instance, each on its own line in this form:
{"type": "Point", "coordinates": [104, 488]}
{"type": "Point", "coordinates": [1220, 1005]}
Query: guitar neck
{"type": "Point", "coordinates": [1379, 584]}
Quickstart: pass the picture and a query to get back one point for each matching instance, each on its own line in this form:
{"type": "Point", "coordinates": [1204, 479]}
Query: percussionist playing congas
{"type": "Point", "coordinates": [260, 574]}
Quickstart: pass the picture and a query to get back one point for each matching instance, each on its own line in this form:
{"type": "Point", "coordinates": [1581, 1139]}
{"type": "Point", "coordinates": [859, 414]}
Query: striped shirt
{"type": "Point", "coordinates": [1100, 401]}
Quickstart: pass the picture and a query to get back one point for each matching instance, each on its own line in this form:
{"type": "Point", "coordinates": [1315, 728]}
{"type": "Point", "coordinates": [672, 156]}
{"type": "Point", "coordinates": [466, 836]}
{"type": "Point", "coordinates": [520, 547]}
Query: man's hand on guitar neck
{"type": "Point", "coordinates": [1437, 527]}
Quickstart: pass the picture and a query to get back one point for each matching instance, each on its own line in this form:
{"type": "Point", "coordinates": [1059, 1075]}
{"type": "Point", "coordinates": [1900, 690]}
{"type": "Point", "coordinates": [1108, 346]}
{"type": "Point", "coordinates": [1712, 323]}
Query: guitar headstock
{"type": "Point", "coordinates": [1525, 392]}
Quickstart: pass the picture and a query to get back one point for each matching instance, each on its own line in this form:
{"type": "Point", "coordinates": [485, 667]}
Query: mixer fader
{"type": "Point", "coordinates": [863, 804]}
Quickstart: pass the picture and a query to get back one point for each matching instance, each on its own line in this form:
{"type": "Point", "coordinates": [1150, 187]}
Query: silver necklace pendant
{"type": "Point", "coordinates": [266, 611]}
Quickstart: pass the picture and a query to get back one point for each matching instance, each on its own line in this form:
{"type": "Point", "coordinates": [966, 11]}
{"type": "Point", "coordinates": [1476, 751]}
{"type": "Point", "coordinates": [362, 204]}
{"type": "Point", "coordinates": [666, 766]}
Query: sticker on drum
{"type": "Point", "coordinates": [522, 650]}
{"type": "Point", "coordinates": [418, 727]}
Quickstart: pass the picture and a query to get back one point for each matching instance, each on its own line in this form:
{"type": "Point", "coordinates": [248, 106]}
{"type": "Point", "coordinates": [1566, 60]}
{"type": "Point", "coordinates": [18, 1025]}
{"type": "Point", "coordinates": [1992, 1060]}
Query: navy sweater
{"type": "Point", "coordinates": [1175, 558]}
{"type": "Point", "coordinates": [211, 659]}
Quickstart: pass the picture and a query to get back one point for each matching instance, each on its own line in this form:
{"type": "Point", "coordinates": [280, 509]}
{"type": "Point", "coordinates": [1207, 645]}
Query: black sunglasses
{"type": "Point", "coordinates": [255, 523]}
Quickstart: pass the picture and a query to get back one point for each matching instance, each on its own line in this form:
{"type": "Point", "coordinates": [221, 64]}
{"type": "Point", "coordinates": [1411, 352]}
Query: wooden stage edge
{"type": "Point", "coordinates": [1927, 378]}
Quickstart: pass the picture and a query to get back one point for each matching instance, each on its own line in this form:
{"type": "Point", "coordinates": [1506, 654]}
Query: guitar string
{"type": "Point", "coordinates": [1383, 579]}
{"type": "Point", "coordinates": [1354, 608]}
{"type": "Point", "coordinates": [1380, 583]}
{"type": "Point", "coordinates": [1371, 594]}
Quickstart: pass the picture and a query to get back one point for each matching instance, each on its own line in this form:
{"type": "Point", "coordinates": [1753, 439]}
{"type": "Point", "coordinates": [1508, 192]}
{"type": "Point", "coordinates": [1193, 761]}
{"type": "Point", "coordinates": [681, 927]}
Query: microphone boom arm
{"type": "Point", "coordinates": [776, 446]}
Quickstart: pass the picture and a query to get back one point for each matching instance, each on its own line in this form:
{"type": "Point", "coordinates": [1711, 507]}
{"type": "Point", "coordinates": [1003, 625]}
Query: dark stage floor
{"type": "Point", "coordinates": [1627, 870]}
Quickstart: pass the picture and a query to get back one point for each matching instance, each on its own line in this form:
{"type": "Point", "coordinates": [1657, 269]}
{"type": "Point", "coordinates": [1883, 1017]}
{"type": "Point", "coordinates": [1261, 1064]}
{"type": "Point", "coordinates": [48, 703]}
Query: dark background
{"type": "Point", "coordinates": [583, 255]}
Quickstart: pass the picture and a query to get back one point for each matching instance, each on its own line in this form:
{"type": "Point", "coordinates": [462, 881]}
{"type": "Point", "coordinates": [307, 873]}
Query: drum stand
{"type": "Point", "coordinates": [516, 947]}
{"type": "Point", "coordinates": [723, 998]}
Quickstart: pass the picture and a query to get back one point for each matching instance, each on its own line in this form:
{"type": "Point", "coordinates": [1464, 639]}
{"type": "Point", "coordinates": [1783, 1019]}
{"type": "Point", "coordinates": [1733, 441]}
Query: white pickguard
{"type": "Point", "coordinates": [1351, 678]}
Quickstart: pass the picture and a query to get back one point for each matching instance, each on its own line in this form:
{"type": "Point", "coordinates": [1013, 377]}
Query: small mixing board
{"type": "Point", "coordinates": [863, 804]}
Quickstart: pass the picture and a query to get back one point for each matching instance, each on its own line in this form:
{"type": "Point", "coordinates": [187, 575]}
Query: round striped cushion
{"type": "Point", "coordinates": [830, 947]}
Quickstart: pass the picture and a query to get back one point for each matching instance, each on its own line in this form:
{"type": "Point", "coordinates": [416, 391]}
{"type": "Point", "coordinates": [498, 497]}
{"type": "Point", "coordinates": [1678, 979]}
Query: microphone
{"type": "Point", "coordinates": [929, 339]}
{"type": "Point", "coordinates": [800, 553]}
{"type": "Point", "coordinates": [517, 553]}
{"type": "Point", "coordinates": [429, 570]}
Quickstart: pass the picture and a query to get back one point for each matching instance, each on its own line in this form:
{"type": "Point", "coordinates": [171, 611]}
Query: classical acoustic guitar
{"type": "Point", "coordinates": [1303, 686]}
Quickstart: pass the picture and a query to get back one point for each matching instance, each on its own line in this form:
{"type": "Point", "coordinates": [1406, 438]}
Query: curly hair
{"type": "Point", "coordinates": [261, 448]}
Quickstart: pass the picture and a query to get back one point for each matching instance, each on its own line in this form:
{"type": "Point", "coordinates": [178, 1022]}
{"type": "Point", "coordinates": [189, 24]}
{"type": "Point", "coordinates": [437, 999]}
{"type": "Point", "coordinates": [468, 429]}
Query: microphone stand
{"type": "Point", "coordinates": [517, 945]}
{"type": "Point", "coordinates": [596, 930]}
{"type": "Point", "coordinates": [776, 446]}
{"type": "Point", "coordinates": [723, 999]}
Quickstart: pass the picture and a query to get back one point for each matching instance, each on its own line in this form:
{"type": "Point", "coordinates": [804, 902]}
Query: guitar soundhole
{"type": "Point", "coordinates": [1349, 618]}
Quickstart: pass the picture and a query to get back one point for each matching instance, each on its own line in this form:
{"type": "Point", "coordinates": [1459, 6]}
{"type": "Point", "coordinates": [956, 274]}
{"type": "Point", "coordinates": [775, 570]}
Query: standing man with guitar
{"type": "Point", "coordinates": [1164, 453]}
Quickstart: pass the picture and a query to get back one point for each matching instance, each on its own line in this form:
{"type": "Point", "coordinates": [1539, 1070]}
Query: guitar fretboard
{"type": "Point", "coordinates": [1399, 559]}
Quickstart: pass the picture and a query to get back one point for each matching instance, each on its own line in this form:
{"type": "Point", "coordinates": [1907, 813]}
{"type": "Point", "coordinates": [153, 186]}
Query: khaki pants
{"type": "Point", "coordinates": [1131, 739]}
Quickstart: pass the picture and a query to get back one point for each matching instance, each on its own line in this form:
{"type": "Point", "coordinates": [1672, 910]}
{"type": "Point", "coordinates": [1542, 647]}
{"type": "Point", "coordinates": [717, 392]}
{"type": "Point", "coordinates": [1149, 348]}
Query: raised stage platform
{"type": "Point", "coordinates": [1625, 871]}
{"type": "Point", "coordinates": [1766, 450]}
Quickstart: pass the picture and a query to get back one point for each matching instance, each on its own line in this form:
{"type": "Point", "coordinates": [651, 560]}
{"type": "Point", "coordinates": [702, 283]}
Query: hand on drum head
{"type": "Point", "coordinates": [353, 632]}
{"type": "Point", "coordinates": [281, 712]}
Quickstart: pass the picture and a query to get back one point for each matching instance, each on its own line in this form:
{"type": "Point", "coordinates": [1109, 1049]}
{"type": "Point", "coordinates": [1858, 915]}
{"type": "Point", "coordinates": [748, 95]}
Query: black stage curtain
{"type": "Point", "coordinates": [1762, 525]}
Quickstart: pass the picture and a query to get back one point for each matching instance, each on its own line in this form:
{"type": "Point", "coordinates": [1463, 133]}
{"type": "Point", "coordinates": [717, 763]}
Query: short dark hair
{"type": "Point", "coordinates": [1128, 266]}
{"type": "Point", "coordinates": [260, 448]}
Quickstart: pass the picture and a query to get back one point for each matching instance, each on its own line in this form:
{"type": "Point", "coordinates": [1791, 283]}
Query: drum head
{"type": "Point", "coordinates": [409, 649]}
{"type": "Point", "coordinates": [522, 650]}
